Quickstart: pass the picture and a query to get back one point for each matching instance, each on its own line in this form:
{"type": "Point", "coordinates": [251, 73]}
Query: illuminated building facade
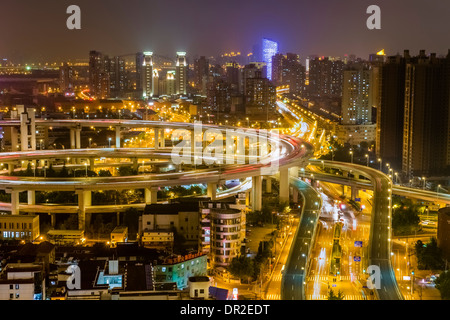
{"type": "Point", "coordinates": [269, 49]}
{"type": "Point", "coordinates": [147, 70]}
{"type": "Point", "coordinates": [181, 73]}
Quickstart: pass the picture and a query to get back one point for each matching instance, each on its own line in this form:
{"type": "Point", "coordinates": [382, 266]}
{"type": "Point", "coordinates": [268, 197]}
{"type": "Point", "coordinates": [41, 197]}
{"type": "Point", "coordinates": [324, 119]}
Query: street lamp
{"type": "Point", "coordinates": [396, 177]}
{"type": "Point", "coordinates": [109, 141]}
{"type": "Point", "coordinates": [367, 156]}
{"type": "Point", "coordinates": [351, 154]}
{"type": "Point", "coordinates": [424, 183]}
{"type": "Point", "coordinates": [90, 140]}
{"type": "Point", "coordinates": [85, 164]}
{"type": "Point", "coordinates": [381, 163]}
{"type": "Point", "coordinates": [437, 190]}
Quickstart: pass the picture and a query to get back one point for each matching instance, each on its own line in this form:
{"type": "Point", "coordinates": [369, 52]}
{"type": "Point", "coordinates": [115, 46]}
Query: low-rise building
{"type": "Point", "coordinates": [22, 281]}
{"type": "Point", "coordinates": [179, 269]}
{"type": "Point", "coordinates": [19, 227]}
{"type": "Point", "coordinates": [119, 234]}
{"type": "Point", "coordinates": [355, 134]}
{"type": "Point", "coordinates": [158, 239]}
{"type": "Point", "coordinates": [199, 287]}
{"type": "Point", "coordinates": [64, 237]}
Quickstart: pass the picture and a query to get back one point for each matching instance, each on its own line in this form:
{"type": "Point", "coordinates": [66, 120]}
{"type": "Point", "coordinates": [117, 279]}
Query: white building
{"type": "Point", "coordinates": [22, 281]}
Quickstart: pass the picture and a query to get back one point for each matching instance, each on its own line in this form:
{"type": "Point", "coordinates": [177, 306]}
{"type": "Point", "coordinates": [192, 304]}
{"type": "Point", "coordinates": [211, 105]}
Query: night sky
{"type": "Point", "coordinates": [34, 30]}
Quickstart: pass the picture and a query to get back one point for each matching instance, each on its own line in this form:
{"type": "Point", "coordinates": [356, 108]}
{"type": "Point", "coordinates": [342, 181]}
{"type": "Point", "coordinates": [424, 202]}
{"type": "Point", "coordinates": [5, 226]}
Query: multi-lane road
{"type": "Point", "coordinates": [380, 234]}
{"type": "Point", "coordinates": [295, 272]}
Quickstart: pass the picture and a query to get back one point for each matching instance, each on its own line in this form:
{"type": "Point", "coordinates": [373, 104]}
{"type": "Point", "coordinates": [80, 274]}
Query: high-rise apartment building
{"type": "Point", "coordinates": [426, 129]}
{"type": "Point", "coordinates": [98, 75]}
{"type": "Point", "coordinates": [357, 95]}
{"type": "Point", "coordinates": [413, 131]}
{"type": "Point", "coordinates": [325, 77]}
{"type": "Point", "coordinates": [201, 73]}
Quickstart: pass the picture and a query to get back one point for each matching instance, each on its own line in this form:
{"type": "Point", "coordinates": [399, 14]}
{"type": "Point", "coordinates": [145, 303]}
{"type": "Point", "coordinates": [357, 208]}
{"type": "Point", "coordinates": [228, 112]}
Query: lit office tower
{"type": "Point", "coordinates": [357, 96]}
{"type": "Point", "coordinates": [181, 73]}
{"type": "Point", "coordinates": [147, 75]}
{"type": "Point", "coordinates": [269, 49]}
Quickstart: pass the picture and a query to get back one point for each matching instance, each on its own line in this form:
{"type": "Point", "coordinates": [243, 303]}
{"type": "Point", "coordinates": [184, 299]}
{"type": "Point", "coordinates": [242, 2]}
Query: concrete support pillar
{"type": "Point", "coordinates": [354, 193]}
{"type": "Point", "coordinates": [72, 138]}
{"type": "Point", "coordinates": [163, 139]}
{"type": "Point", "coordinates": [212, 190]}
{"type": "Point", "coordinates": [284, 185]}
{"type": "Point", "coordinates": [135, 164]}
{"type": "Point", "coordinates": [118, 135]}
{"type": "Point", "coordinates": [31, 197]}
{"type": "Point", "coordinates": [268, 185]}
{"type": "Point", "coordinates": [84, 200]}
{"type": "Point", "coordinates": [344, 190]}
{"type": "Point", "coordinates": [295, 195]}
{"type": "Point", "coordinates": [11, 167]}
{"type": "Point", "coordinates": [53, 219]}
{"type": "Point", "coordinates": [91, 164]}
{"type": "Point", "coordinates": [15, 139]}
{"type": "Point", "coordinates": [14, 201]}
{"type": "Point", "coordinates": [78, 138]}
{"type": "Point", "coordinates": [294, 171]}
{"type": "Point", "coordinates": [156, 130]}
{"type": "Point", "coordinates": [151, 195]}
{"type": "Point", "coordinates": [257, 193]}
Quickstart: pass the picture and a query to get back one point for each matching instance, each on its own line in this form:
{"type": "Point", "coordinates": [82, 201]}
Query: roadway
{"type": "Point", "coordinates": [380, 233]}
{"type": "Point", "coordinates": [295, 272]}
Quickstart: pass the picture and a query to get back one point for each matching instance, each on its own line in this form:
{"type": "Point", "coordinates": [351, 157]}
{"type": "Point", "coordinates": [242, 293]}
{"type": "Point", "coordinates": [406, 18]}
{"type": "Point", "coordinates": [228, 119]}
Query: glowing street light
{"type": "Point", "coordinates": [351, 154]}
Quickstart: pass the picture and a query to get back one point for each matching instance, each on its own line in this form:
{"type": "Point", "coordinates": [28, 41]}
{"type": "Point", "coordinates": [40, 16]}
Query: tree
{"type": "Point", "coordinates": [405, 220]}
{"type": "Point", "coordinates": [333, 296]}
{"type": "Point", "coordinates": [104, 173]}
{"type": "Point", "coordinates": [131, 220]}
{"type": "Point", "coordinates": [429, 256]}
{"type": "Point", "coordinates": [443, 285]}
{"type": "Point", "coordinates": [242, 267]}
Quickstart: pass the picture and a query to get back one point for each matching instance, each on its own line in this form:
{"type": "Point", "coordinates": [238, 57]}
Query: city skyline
{"type": "Point", "coordinates": [306, 28]}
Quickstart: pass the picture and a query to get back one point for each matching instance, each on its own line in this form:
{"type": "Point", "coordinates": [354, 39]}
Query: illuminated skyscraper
{"type": "Point", "coordinates": [269, 49]}
{"type": "Point", "coordinates": [181, 73]}
{"type": "Point", "coordinates": [147, 75]}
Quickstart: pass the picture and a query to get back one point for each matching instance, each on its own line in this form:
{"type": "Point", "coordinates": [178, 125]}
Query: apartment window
{"type": "Point", "coordinates": [17, 296]}
{"type": "Point", "coordinates": [11, 287]}
{"type": "Point", "coordinates": [11, 295]}
{"type": "Point", "coordinates": [17, 287]}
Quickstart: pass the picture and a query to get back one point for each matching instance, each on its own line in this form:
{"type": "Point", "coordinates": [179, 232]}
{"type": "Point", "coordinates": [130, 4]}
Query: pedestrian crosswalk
{"type": "Point", "coordinates": [277, 277]}
{"type": "Point", "coordinates": [325, 297]}
{"type": "Point", "coordinates": [330, 278]}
